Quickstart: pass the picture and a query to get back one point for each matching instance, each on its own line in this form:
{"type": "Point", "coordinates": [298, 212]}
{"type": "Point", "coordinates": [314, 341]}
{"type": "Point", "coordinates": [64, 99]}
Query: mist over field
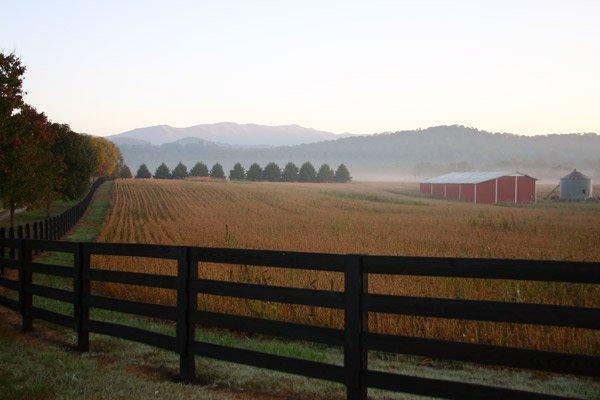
{"type": "Point", "coordinates": [402, 155]}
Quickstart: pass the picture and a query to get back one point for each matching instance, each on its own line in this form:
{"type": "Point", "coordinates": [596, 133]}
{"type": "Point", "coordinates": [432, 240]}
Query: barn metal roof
{"type": "Point", "coordinates": [471, 177]}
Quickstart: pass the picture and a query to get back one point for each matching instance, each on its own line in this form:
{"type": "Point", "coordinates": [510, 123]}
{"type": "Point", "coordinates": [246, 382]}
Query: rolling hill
{"type": "Point", "coordinates": [398, 155]}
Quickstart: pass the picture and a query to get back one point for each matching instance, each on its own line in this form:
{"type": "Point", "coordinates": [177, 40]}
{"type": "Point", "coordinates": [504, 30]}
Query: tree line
{"type": "Point", "coordinates": [270, 173]}
{"type": "Point", "coordinates": [40, 160]}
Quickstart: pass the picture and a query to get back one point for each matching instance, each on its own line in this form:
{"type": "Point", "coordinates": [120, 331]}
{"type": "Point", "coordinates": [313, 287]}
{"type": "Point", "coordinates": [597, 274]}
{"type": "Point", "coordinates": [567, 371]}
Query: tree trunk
{"type": "Point", "coordinates": [12, 214]}
{"type": "Point", "coordinates": [48, 204]}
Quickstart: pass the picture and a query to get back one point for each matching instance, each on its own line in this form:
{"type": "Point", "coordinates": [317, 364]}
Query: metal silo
{"type": "Point", "coordinates": [575, 186]}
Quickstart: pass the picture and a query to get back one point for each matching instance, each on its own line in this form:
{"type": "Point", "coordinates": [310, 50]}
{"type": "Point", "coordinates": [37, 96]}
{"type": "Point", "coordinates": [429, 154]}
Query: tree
{"type": "Point", "coordinates": [290, 172]}
{"type": "Point", "coordinates": [28, 169]}
{"type": "Point", "coordinates": [342, 174]}
{"type": "Point", "coordinates": [180, 171]}
{"type": "Point", "coordinates": [108, 156]}
{"type": "Point", "coordinates": [325, 174]}
{"type": "Point", "coordinates": [13, 147]}
{"type": "Point", "coordinates": [11, 86]}
{"type": "Point", "coordinates": [125, 172]}
{"type": "Point", "coordinates": [307, 173]}
{"type": "Point", "coordinates": [237, 173]}
{"type": "Point", "coordinates": [80, 158]}
{"type": "Point", "coordinates": [272, 172]}
{"type": "Point", "coordinates": [217, 172]}
{"type": "Point", "coordinates": [143, 172]}
{"type": "Point", "coordinates": [255, 173]}
{"type": "Point", "coordinates": [162, 172]}
{"type": "Point", "coordinates": [200, 169]}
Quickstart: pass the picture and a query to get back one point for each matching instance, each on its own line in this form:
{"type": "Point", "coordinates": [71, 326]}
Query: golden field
{"type": "Point", "coordinates": [369, 218]}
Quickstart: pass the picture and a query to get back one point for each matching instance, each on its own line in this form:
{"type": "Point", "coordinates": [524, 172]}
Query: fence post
{"type": "Point", "coordinates": [185, 307]}
{"type": "Point", "coordinates": [81, 286]}
{"type": "Point", "coordinates": [355, 322]}
{"type": "Point", "coordinates": [11, 250]}
{"type": "Point", "coordinates": [25, 278]}
{"type": "Point", "coordinates": [2, 236]}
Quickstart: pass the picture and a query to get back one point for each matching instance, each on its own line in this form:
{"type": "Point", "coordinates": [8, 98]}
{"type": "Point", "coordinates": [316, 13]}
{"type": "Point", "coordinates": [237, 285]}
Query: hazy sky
{"type": "Point", "coordinates": [360, 67]}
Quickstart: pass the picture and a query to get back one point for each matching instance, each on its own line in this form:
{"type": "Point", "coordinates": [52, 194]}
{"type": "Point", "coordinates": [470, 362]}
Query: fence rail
{"type": "Point", "coordinates": [355, 301]}
{"type": "Point", "coordinates": [51, 228]}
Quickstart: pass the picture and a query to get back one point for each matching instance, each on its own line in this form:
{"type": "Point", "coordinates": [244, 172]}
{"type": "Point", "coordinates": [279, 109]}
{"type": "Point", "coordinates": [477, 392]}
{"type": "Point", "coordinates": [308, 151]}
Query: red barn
{"type": "Point", "coordinates": [482, 187]}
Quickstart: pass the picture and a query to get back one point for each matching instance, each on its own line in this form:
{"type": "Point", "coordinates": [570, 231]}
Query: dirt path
{"type": "Point", "coordinates": [5, 214]}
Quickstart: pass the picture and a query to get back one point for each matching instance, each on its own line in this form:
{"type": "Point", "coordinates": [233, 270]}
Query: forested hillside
{"type": "Point", "coordinates": [399, 155]}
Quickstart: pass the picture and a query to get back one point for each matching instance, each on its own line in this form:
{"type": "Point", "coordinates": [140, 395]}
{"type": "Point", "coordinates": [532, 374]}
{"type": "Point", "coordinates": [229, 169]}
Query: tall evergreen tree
{"type": "Point", "coordinates": [325, 174]}
{"type": "Point", "coordinates": [200, 169]}
{"type": "Point", "coordinates": [272, 172]}
{"type": "Point", "coordinates": [217, 172]}
{"type": "Point", "coordinates": [254, 173]}
{"type": "Point", "coordinates": [237, 173]}
{"type": "Point", "coordinates": [290, 172]}
{"type": "Point", "coordinates": [307, 173]}
{"type": "Point", "coordinates": [162, 172]}
{"type": "Point", "coordinates": [143, 172]}
{"type": "Point", "coordinates": [180, 171]}
{"type": "Point", "coordinates": [342, 174]}
{"type": "Point", "coordinates": [125, 172]}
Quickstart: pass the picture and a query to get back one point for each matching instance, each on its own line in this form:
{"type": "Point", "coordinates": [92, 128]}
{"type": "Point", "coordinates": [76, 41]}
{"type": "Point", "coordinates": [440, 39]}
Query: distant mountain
{"type": "Point", "coordinates": [399, 155]}
{"type": "Point", "coordinates": [228, 133]}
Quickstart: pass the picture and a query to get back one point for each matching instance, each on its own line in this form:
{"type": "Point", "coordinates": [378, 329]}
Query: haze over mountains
{"type": "Point", "coordinates": [387, 156]}
{"type": "Point", "coordinates": [251, 135]}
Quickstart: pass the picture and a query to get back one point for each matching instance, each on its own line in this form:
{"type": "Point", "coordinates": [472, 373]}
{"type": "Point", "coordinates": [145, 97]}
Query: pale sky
{"type": "Point", "coordinates": [103, 67]}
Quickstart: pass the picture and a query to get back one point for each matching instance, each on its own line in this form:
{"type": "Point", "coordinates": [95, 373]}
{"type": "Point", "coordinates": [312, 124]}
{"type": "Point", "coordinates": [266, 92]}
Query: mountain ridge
{"type": "Point", "coordinates": [229, 133]}
{"type": "Point", "coordinates": [402, 154]}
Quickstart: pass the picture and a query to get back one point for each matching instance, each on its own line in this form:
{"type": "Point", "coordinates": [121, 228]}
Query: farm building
{"type": "Point", "coordinates": [575, 186]}
{"type": "Point", "coordinates": [482, 187]}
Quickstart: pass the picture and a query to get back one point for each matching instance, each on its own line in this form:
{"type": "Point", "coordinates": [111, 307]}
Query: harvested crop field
{"type": "Point", "coordinates": [371, 218]}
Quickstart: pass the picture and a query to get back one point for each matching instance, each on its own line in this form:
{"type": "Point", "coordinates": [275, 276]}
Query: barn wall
{"type": "Point", "coordinates": [486, 192]}
{"type": "Point", "coordinates": [452, 191]}
{"type": "Point", "coordinates": [425, 188]}
{"type": "Point", "coordinates": [438, 189]}
{"type": "Point", "coordinates": [506, 189]}
{"type": "Point", "coordinates": [525, 189]}
{"type": "Point", "coordinates": [467, 192]}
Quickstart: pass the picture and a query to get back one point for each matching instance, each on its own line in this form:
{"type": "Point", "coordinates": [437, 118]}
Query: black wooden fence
{"type": "Point", "coordinates": [355, 300]}
{"type": "Point", "coordinates": [52, 228]}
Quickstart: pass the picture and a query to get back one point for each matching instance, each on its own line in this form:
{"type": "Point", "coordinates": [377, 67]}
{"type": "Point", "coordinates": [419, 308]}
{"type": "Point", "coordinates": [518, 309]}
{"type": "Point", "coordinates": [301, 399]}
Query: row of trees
{"type": "Point", "coordinates": [40, 160]}
{"type": "Point", "coordinates": [271, 173]}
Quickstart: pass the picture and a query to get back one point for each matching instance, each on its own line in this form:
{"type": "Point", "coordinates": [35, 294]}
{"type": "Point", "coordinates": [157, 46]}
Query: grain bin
{"type": "Point", "coordinates": [575, 186]}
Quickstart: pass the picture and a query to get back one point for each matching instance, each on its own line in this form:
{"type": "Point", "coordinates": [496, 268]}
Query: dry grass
{"type": "Point", "coordinates": [373, 218]}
